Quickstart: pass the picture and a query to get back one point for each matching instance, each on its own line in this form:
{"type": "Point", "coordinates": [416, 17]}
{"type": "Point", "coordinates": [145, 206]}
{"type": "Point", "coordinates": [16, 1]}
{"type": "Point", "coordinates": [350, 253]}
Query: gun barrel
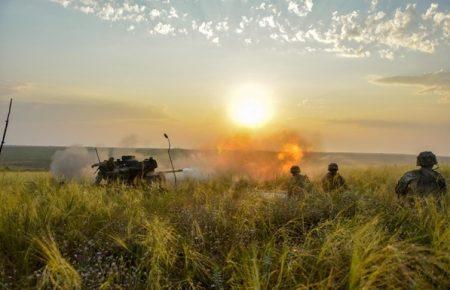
{"type": "Point", "coordinates": [171, 171]}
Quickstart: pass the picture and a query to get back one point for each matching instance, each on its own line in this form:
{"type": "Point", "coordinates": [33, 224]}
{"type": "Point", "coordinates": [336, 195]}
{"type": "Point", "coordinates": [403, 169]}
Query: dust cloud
{"type": "Point", "coordinates": [73, 163]}
{"type": "Point", "coordinates": [247, 154]}
{"type": "Point", "coordinates": [129, 141]}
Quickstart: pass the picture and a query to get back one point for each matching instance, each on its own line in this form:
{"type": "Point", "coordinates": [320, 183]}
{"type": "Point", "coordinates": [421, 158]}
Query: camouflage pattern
{"type": "Point", "coordinates": [333, 180]}
{"type": "Point", "coordinates": [127, 170]}
{"type": "Point", "coordinates": [424, 181]}
{"type": "Point", "coordinates": [104, 170]}
{"type": "Point", "coordinates": [299, 184]}
{"type": "Point", "coordinates": [421, 182]}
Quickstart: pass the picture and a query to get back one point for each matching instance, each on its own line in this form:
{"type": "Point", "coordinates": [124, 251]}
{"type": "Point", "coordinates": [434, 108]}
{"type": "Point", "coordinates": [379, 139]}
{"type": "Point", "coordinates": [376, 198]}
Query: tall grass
{"type": "Point", "coordinates": [221, 234]}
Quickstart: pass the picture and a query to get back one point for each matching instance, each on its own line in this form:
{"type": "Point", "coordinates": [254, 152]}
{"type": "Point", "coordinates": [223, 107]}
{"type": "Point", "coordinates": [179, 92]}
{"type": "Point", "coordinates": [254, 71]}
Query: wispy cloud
{"type": "Point", "coordinates": [373, 123]}
{"type": "Point", "coordinates": [91, 112]}
{"type": "Point", "coordinates": [292, 23]}
{"type": "Point", "coordinates": [436, 82]}
{"type": "Point", "coordinates": [9, 88]}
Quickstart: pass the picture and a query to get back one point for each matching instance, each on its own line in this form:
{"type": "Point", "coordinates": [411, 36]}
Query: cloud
{"type": "Point", "coordinates": [9, 88]}
{"type": "Point", "coordinates": [163, 29]}
{"type": "Point", "coordinates": [90, 112]}
{"type": "Point", "coordinates": [367, 32]}
{"type": "Point", "coordinates": [64, 3]}
{"type": "Point", "coordinates": [373, 123]}
{"type": "Point", "coordinates": [386, 54]}
{"type": "Point", "coordinates": [403, 29]}
{"type": "Point", "coordinates": [439, 19]}
{"type": "Point", "coordinates": [300, 9]}
{"type": "Point", "coordinates": [436, 82]}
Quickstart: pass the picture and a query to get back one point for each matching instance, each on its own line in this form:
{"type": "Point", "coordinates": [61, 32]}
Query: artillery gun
{"type": "Point", "coordinates": [128, 169]}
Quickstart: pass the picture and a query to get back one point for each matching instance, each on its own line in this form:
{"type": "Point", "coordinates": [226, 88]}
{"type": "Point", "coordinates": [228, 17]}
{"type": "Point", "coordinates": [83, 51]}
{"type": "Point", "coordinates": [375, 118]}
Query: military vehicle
{"type": "Point", "coordinates": [129, 170]}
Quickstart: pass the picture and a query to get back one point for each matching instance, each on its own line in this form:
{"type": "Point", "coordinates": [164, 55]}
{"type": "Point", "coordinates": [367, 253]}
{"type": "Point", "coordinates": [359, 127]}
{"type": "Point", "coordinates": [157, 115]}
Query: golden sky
{"type": "Point", "coordinates": [354, 76]}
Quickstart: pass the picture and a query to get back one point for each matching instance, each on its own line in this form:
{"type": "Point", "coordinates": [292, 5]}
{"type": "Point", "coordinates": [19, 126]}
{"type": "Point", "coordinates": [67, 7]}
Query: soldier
{"type": "Point", "coordinates": [299, 183]}
{"type": "Point", "coordinates": [130, 168]}
{"type": "Point", "coordinates": [110, 169]}
{"type": "Point", "coordinates": [424, 181]}
{"type": "Point", "coordinates": [333, 180]}
{"type": "Point", "coordinates": [110, 164]}
{"type": "Point", "coordinates": [105, 170]}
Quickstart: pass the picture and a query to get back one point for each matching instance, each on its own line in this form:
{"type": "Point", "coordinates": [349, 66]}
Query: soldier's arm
{"type": "Point", "coordinates": [308, 183]}
{"type": "Point", "coordinates": [307, 180]}
{"type": "Point", "coordinates": [402, 185]}
{"type": "Point", "coordinates": [442, 184]}
{"type": "Point", "coordinates": [400, 188]}
{"type": "Point", "coordinates": [326, 184]}
{"type": "Point", "coordinates": [343, 182]}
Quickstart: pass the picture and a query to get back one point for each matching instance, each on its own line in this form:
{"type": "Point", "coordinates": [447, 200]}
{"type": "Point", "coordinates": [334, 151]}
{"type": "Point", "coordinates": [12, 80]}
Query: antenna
{"type": "Point", "coordinates": [6, 126]}
{"type": "Point", "coordinates": [170, 158]}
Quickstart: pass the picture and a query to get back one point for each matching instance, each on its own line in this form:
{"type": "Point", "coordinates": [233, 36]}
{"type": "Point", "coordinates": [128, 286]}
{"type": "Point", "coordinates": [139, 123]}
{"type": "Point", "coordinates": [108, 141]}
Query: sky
{"type": "Point", "coordinates": [351, 76]}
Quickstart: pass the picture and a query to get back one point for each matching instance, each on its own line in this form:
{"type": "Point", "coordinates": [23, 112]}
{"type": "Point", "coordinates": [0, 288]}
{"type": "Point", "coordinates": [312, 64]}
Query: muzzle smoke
{"type": "Point", "coordinates": [73, 163]}
{"type": "Point", "coordinates": [245, 154]}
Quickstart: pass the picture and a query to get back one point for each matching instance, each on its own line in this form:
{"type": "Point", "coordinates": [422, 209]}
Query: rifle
{"type": "Point", "coordinates": [6, 126]}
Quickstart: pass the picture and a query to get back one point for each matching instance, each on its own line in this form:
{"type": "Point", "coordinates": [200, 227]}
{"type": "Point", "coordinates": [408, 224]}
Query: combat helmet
{"type": "Point", "coordinates": [333, 167]}
{"type": "Point", "coordinates": [426, 159]}
{"type": "Point", "coordinates": [295, 169]}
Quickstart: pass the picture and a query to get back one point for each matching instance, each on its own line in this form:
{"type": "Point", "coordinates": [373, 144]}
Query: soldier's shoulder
{"type": "Point", "coordinates": [438, 175]}
{"type": "Point", "coordinates": [410, 175]}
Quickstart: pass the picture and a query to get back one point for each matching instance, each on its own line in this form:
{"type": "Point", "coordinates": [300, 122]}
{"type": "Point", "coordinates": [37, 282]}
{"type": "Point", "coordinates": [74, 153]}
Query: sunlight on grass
{"type": "Point", "coordinates": [213, 233]}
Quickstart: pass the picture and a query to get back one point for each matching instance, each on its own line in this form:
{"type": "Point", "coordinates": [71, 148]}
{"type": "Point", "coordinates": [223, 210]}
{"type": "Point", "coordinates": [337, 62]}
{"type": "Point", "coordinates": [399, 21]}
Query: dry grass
{"type": "Point", "coordinates": [219, 234]}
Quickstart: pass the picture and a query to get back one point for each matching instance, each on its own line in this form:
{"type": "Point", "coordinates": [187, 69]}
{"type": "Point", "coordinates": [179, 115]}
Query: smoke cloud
{"type": "Point", "coordinates": [248, 154]}
{"type": "Point", "coordinates": [73, 163]}
{"type": "Point", "coordinates": [129, 141]}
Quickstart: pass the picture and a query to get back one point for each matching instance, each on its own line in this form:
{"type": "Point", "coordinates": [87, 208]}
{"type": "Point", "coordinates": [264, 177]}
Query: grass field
{"type": "Point", "coordinates": [221, 233]}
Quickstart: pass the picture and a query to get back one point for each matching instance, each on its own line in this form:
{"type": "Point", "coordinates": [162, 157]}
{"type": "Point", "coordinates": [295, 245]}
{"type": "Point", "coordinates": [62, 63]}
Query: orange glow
{"type": "Point", "coordinates": [262, 157]}
{"type": "Point", "coordinates": [289, 155]}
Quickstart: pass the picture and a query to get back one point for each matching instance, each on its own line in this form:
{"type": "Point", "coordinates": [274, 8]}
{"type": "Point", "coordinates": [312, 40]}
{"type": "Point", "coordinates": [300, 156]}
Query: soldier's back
{"type": "Point", "coordinates": [332, 182]}
{"type": "Point", "coordinates": [421, 182]}
{"type": "Point", "coordinates": [298, 185]}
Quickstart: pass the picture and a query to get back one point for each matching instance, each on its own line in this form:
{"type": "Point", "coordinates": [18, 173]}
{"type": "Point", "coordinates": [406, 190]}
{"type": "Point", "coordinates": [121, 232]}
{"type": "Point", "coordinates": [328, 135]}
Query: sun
{"type": "Point", "coordinates": [250, 106]}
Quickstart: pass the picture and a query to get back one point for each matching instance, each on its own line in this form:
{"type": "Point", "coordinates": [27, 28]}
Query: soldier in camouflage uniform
{"type": "Point", "coordinates": [298, 184]}
{"type": "Point", "coordinates": [424, 181]}
{"type": "Point", "coordinates": [105, 170]}
{"type": "Point", "coordinates": [333, 180]}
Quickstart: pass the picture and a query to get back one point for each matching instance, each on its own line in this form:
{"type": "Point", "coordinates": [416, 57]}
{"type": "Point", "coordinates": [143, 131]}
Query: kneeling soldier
{"type": "Point", "coordinates": [424, 181]}
{"type": "Point", "coordinates": [333, 180]}
{"type": "Point", "coordinates": [298, 184]}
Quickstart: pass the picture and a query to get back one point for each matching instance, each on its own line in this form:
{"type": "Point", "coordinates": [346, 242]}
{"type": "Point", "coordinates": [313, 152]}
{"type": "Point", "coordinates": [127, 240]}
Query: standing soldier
{"type": "Point", "coordinates": [333, 180]}
{"type": "Point", "coordinates": [424, 181]}
{"type": "Point", "coordinates": [299, 183]}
